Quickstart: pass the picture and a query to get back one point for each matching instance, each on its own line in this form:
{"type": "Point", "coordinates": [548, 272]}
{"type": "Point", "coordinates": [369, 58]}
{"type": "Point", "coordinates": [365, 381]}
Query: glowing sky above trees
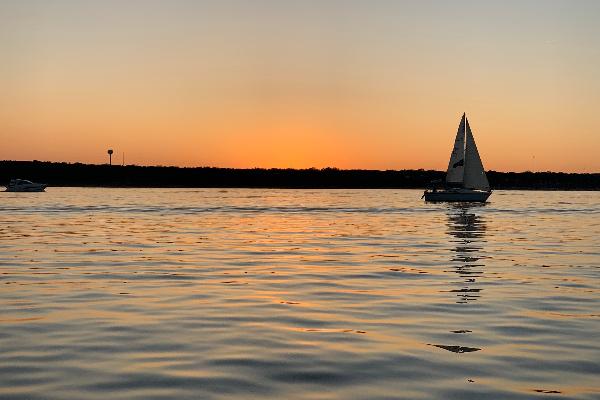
{"type": "Point", "coordinates": [349, 84]}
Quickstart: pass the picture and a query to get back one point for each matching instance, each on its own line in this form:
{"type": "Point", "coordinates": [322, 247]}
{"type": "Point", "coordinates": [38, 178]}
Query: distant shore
{"type": "Point", "coordinates": [92, 175]}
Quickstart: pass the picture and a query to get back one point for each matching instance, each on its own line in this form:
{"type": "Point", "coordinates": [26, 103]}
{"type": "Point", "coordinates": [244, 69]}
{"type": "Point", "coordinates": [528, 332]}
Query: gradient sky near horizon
{"type": "Point", "coordinates": [348, 84]}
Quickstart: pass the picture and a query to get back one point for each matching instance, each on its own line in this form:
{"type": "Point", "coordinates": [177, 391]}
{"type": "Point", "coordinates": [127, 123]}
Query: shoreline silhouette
{"type": "Point", "coordinates": [104, 175]}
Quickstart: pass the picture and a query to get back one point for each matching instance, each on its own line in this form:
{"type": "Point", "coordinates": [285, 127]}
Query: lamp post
{"type": "Point", "coordinates": [110, 153]}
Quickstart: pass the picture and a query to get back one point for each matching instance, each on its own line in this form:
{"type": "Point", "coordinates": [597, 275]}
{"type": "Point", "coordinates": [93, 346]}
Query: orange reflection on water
{"type": "Point", "coordinates": [180, 291]}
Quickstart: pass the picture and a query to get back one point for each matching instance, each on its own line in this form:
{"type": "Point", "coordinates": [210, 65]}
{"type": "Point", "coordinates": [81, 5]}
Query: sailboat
{"type": "Point", "coordinates": [465, 178]}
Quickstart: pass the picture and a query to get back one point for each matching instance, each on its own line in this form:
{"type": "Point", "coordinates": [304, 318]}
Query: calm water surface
{"type": "Point", "coordinates": [298, 294]}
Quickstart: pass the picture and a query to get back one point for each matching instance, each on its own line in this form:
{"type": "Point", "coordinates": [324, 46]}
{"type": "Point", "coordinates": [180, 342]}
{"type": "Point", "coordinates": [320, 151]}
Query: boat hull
{"type": "Point", "coordinates": [28, 188]}
{"type": "Point", "coordinates": [457, 195]}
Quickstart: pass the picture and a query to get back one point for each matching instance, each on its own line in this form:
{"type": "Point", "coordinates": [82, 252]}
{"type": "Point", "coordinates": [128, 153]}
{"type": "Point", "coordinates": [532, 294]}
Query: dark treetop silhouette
{"type": "Point", "coordinates": [65, 174]}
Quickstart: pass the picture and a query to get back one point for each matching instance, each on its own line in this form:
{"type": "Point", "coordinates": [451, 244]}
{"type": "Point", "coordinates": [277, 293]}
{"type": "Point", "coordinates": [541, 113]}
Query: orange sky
{"type": "Point", "coordinates": [348, 84]}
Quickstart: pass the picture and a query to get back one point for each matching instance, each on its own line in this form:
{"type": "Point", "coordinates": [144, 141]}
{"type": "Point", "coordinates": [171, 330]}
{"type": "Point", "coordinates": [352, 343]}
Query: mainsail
{"type": "Point", "coordinates": [465, 168]}
{"type": "Point", "coordinates": [456, 166]}
{"type": "Point", "coordinates": [474, 177]}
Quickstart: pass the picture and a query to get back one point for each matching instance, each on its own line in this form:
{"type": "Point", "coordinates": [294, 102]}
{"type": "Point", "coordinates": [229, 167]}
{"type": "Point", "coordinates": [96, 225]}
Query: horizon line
{"type": "Point", "coordinates": [281, 168]}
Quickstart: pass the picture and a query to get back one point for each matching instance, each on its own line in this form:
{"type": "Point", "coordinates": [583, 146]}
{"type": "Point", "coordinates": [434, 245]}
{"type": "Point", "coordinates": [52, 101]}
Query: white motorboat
{"type": "Point", "coordinates": [465, 177]}
{"type": "Point", "coordinates": [23, 185]}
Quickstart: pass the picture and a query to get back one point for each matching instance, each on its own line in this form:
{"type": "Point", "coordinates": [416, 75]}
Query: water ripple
{"type": "Point", "coordinates": [298, 294]}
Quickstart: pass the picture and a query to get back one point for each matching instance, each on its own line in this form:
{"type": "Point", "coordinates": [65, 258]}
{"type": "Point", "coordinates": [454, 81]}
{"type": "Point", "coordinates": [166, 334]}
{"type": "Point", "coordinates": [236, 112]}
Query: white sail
{"type": "Point", "coordinates": [456, 166]}
{"type": "Point", "coordinates": [474, 174]}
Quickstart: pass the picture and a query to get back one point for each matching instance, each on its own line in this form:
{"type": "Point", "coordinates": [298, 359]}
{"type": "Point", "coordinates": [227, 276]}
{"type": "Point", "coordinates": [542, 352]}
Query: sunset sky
{"type": "Point", "coordinates": [347, 84]}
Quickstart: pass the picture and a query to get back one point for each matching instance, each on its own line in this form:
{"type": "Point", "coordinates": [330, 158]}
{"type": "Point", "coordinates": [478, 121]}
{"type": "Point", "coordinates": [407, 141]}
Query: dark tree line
{"type": "Point", "coordinates": [66, 174]}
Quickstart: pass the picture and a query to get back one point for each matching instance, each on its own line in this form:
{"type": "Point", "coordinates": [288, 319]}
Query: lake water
{"type": "Point", "coordinates": [298, 294]}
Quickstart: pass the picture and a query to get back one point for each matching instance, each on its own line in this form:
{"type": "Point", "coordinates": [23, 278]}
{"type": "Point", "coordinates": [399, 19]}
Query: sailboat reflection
{"type": "Point", "coordinates": [467, 230]}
